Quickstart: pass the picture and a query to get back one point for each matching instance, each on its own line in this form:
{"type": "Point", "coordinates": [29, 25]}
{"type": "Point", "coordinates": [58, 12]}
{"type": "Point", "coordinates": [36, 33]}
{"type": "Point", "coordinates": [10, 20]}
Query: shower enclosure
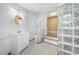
{"type": "Point", "coordinates": [68, 31]}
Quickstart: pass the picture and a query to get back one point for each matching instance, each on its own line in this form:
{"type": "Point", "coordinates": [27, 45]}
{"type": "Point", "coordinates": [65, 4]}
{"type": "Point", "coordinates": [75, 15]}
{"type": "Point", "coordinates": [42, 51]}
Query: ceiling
{"type": "Point", "coordinates": [39, 7]}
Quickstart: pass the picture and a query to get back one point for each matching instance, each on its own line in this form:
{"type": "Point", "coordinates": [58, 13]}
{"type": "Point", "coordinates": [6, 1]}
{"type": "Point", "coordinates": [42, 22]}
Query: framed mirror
{"type": "Point", "coordinates": [18, 20]}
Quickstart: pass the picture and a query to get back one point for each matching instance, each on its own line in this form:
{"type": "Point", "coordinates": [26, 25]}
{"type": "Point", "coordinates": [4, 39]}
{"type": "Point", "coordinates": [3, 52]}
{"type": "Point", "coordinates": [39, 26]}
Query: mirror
{"type": "Point", "coordinates": [18, 20]}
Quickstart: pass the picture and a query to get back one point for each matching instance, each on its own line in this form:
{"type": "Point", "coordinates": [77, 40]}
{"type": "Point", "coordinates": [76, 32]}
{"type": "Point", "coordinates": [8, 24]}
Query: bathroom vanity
{"type": "Point", "coordinates": [18, 42]}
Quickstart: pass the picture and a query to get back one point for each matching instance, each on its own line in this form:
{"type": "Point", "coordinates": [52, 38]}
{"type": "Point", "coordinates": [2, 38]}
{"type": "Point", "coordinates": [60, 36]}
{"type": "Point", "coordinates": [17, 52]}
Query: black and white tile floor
{"type": "Point", "coordinates": [40, 49]}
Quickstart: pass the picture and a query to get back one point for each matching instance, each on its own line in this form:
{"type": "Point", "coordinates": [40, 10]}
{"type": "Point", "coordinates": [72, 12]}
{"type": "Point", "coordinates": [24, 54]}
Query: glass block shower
{"type": "Point", "coordinates": [68, 31]}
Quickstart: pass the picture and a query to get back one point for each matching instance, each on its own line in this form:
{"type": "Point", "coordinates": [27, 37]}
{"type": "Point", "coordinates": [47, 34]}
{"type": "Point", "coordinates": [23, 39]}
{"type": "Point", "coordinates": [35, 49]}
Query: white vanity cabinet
{"type": "Point", "coordinates": [4, 46]}
{"type": "Point", "coordinates": [18, 42]}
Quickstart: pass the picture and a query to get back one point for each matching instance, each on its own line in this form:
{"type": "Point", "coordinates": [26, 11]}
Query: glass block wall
{"type": "Point", "coordinates": [68, 31]}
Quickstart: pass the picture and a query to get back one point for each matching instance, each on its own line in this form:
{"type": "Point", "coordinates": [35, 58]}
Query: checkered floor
{"type": "Point", "coordinates": [40, 49]}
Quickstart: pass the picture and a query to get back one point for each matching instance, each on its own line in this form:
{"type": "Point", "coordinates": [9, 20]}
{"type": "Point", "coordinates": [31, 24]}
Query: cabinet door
{"type": "Point", "coordinates": [22, 42]}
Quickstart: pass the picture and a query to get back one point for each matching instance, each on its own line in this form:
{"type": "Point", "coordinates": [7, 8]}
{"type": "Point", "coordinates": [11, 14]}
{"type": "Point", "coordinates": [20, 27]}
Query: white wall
{"type": "Point", "coordinates": [7, 19]}
{"type": "Point", "coordinates": [53, 13]}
